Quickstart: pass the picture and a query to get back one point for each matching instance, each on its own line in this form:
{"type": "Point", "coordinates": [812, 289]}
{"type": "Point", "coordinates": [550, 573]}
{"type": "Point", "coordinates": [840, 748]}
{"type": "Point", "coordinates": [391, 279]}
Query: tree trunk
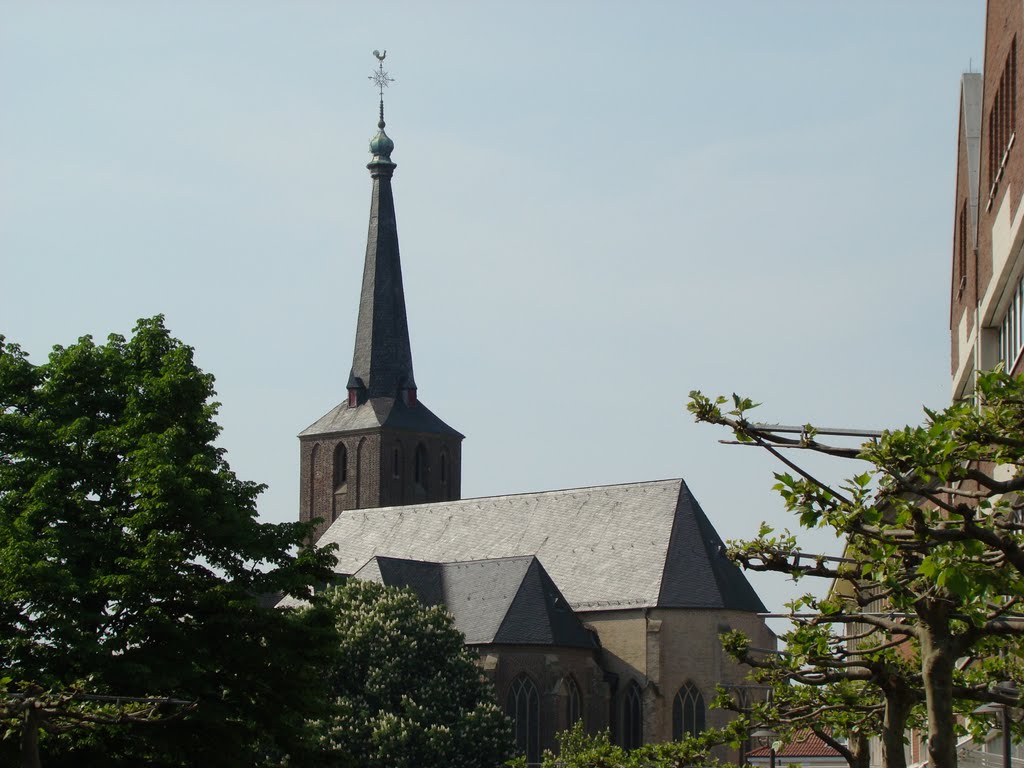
{"type": "Point", "coordinates": [859, 747]}
{"type": "Point", "coordinates": [937, 675]}
{"type": "Point", "coordinates": [30, 735]}
{"type": "Point", "coordinates": [894, 728]}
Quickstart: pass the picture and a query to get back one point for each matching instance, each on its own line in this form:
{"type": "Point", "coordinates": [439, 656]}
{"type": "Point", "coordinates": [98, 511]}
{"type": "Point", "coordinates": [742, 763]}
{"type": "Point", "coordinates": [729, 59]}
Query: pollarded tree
{"type": "Point", "coordinates": [132, 561]}
{"type": "Point", "coordinates": [934, 534]}
{"type": "Point", "coordinates": [843, 682]}
{"type": "Point", "coordinates": [407, 692]}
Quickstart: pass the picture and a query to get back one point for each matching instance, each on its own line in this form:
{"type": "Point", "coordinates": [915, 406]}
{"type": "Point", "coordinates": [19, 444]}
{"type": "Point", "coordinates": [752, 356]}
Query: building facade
{"type": "Point", "coordinates": [986, 293]}
{"type": "Point", "coordinates": [987, 275]}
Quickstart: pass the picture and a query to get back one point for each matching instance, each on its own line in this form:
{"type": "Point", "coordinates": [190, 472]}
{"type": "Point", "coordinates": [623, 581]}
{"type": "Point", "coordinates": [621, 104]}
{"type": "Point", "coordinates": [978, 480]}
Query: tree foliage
{"type": "Point", "coordinates": [578, 749]}
{"type": "Point", "coordinates": [132, 562]}
{"type": "Point", "coordinates": [927, 596]}
{"type": "Point", "coordinates": [842, 694]}
{"type": "Point", "coordinates": [407, 692]}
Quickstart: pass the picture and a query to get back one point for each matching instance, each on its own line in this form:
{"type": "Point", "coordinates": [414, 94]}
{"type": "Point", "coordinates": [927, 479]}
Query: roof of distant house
{"type": "Point", "coordinates": [804, 743]}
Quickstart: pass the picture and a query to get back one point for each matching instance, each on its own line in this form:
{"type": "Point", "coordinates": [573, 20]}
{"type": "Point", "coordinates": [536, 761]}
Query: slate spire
{"type": "Point", "coordinates": [381, 446]}
{"type": "Point", "coordinates": [382, 361]}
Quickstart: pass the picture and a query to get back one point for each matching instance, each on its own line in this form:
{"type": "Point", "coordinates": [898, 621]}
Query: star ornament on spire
{"type": "Point", "coordinates": [380, 78]}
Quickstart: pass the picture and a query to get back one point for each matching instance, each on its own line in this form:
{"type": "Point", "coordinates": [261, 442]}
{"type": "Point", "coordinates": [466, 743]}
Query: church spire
{"type": "Point", "coordinates": [382, 361]}
{"type": "Point", "coordinates": [381, 446]}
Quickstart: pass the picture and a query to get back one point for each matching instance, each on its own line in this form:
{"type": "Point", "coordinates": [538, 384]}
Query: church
{"type": "Point", "coordinates": [600, 604]}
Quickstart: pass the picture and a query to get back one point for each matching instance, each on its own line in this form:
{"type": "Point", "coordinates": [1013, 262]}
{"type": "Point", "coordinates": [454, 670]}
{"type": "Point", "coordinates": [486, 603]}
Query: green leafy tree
{"type": "Point", "coordinates": [132, 562]}
{"type": "Point", "coordinates": [934, 562]}
{"type": "Point", "coordinates": [841, 692]}
{"type": "Point", "coordinates": [407, 692]}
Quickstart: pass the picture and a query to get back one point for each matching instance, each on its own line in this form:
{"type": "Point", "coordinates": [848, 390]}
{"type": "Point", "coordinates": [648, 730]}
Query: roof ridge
{"type": "Point", "coordinates": [550, 492]}
{"type": "Point", "coordinates": [634, 483]}
{"type": "Point", "coordinates": [487, 559]}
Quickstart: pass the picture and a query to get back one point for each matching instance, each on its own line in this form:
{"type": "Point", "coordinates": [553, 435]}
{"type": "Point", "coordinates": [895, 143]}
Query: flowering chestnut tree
{"type": "Point", "coordinates": [407, 693]}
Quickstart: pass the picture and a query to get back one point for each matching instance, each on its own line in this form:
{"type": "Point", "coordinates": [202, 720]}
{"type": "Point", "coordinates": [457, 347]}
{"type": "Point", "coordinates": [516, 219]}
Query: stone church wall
{"type": "Point", "coordinates": [549, 668]}
{"type": "Point", "coordinates": [662, 649]}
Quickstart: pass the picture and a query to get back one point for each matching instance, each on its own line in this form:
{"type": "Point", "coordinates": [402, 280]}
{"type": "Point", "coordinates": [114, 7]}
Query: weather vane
{"type": "Point", "coordinates": [380, 78]}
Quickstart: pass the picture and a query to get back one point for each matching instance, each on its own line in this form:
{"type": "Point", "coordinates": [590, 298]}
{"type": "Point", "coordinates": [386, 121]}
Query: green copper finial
{"type": "Point", "coordinates": [381, 146]}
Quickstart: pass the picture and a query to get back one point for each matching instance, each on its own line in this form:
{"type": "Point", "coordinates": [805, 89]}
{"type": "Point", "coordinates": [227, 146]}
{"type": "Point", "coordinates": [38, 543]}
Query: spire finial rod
{"type": "Point", "coordinates": [381, 79]}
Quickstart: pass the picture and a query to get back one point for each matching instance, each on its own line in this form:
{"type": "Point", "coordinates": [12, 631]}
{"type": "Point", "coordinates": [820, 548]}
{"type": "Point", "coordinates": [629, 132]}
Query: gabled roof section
{"type": "Point", "coordinates": [606, 548]}
{"type": "Point", "coordinates": [505, 601]}
{"type": "Point", "coordinates": [388, 412]}
{"type": "Point", "coordinates": [697, 573]}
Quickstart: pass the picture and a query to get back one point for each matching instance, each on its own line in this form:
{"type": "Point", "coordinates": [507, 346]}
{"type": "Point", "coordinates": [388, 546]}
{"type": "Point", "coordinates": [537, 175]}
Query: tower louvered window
{"type": "Point", "coordinates": [340, 467]}
{"type": "Point", "coordinates": [420, 467]}
{"type": "Point", "coordinates": [314, 455]}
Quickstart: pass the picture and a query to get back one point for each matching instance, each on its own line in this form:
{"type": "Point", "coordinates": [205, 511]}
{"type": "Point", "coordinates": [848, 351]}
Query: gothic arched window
{"type": "Point", "coordinates": [632, 717]}
{"type": "Point", "coordinates": [340, 467]}
{"type": "Point", "coordinates": [688, 713]}
{"type": "Point", "coordinates": [522, 705]}
{"type": "Point", "coordinates": [573, 711]}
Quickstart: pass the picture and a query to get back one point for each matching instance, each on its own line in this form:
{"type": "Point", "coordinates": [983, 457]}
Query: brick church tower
{"type": "Point", "coordinates": [381, 446]}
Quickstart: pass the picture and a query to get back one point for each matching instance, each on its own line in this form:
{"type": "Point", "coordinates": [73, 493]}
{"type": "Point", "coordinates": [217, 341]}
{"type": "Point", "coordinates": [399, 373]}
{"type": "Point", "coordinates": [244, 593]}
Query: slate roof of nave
{"type": "Point", "coordinates": [509, 600]}
{"type": "Point", "coordinates": [607, 547]}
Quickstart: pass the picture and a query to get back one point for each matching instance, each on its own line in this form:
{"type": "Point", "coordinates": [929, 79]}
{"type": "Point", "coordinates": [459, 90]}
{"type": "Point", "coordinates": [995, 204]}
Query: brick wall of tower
{"type": "Point", "coordinates": [370, 477]}
{"type": "Point", "coordinates": [319, 495]}
{"type": "Point", "coordinates": [398, 481]}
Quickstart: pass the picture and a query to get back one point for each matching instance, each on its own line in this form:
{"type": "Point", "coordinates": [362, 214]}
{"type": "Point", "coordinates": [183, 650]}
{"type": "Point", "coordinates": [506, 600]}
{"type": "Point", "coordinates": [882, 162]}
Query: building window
{"type": "Point", "coordinates": [572, 702]}
{"type": "Point", "coordinates": [1011, 332]}
{"type": "Point", "coordinates": [744, 701]}
{"type": "Point", "coordinates": [396, 462]}
{"type": "Point", "coordinates": [688, 713]}
{"type": "Point", "coordinates": [340, 467]}
{"type": "Point", "coordinates": [962, 252]}
{"type": "Point", "coordinates": [1002, 118]}
{"type": "Point", "coordinates": [420, 467]}
{"type": "Point", "coordinates": [632, 717]}
{"type": "Point", "coordinates": [522, 705]}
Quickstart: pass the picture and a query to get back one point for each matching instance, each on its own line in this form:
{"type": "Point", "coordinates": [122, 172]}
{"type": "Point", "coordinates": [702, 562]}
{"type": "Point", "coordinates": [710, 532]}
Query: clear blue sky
{"type": "Point", "coordinates": [602, 205]}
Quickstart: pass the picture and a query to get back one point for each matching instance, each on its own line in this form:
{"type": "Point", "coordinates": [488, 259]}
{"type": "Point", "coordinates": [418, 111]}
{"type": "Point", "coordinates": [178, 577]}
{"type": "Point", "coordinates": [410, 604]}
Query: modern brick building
{"type": "Point", "coordinates": [986, 316]}
{"type": "Point", "coordinates": [986, 293]}
{"type": "Point", "coordinates": [603, 604]}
